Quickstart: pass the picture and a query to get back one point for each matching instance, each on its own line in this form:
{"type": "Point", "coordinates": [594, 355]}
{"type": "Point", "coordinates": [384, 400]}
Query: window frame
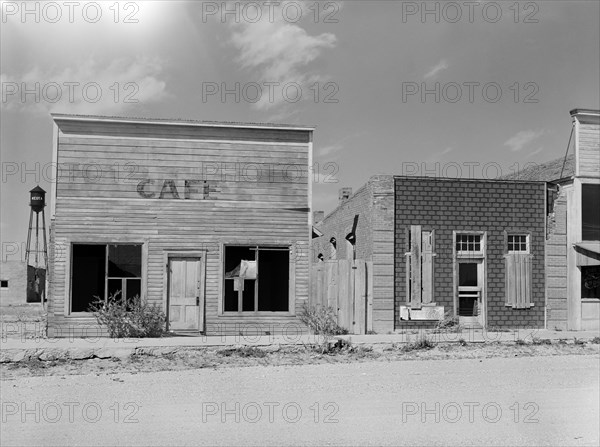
{"type": "Point", "coordinates": [480, 256]}
{"type": "Point", "coordinates": [69, 278]}
{"type": "Point", "coordinates": [583, 187]}
{"type": "Point", "coordinates": [465, 254]}
{"type": "Point", "coordinates": [291, 280]}
{"type": "Point", "coordinates": [513, 234]}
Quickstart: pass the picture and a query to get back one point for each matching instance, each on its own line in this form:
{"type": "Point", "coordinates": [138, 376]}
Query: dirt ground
{"type": "Point", "coordinates": [206, 358]}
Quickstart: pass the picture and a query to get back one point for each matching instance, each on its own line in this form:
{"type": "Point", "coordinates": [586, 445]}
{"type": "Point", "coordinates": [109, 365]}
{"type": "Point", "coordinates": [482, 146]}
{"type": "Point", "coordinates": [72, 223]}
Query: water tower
{"type": "Point", "coordinates": [36, 273]}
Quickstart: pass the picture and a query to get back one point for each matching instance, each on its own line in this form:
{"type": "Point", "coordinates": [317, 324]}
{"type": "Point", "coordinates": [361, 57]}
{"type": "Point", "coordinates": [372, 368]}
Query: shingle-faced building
{"type": "Point", "coordinates": [209, 221]}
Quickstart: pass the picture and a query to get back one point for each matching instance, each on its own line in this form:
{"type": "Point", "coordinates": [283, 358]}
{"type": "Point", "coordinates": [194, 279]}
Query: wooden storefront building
{"type": "Point", "coordinates": [209, 221]}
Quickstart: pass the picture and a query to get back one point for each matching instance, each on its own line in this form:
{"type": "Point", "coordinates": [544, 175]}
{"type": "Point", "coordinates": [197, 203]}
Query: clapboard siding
{"type": "Point", "coordinates": [589, 150]}
{"type": "Point", "coordinates": [266, 211]}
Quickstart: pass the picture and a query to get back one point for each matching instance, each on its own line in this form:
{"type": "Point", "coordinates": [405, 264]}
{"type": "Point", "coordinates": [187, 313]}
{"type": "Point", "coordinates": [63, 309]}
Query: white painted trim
{"type": "Point", "coordinates": [104, 119]}
{"type": "Point", "coordinates": [576, 136]}
{"type": "Point", "coordinates": [55, 133]}
{"type": "Point", "coordinates": [311, 177]}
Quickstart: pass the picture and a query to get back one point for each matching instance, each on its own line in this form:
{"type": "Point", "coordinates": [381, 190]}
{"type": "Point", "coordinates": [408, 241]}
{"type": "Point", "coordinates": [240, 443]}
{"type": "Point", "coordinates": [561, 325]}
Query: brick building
{"type": "Point", "coordinates": [442, 247]}
{"type": "Point", "coordinates": [13, 283]}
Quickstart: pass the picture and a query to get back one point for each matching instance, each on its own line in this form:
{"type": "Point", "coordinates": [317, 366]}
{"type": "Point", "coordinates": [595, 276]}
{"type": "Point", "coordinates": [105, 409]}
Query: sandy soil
{"type": "Point", "coordinates": [205, 358]}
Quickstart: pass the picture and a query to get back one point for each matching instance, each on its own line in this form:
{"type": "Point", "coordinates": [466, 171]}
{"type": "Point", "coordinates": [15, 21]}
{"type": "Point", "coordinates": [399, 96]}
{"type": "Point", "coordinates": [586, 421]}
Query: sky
{"type": "Point", "coordinates": [453, 89]}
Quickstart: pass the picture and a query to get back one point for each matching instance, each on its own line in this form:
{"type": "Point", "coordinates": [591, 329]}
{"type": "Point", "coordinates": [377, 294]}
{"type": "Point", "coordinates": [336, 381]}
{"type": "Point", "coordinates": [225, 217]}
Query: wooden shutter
{"type": "Point", "coordinates": [415, 266]}
{"type": "Point", "coordinates": [427, 266]}
{"type": "Point", "coordinates": [421, 266]}
{"type": "Point", "coordinates": [518, 281]}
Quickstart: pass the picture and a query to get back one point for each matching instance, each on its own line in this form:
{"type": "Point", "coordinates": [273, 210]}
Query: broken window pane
{"type": "Point", "coordinates": [125, 261]}
{"type": "Point", "coordinates": [590, 282]}
{"type": "Point", "coordinates": [87, 276]}
{"type": "Point", "coordinates": [90, 275]}
{"type": "Point", "coordinates": [273, 282]}
{"type": "Point", "coordinates": [248, 268]}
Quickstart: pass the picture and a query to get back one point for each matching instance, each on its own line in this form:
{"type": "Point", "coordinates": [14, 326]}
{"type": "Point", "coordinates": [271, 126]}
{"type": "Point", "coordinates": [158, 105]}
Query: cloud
{"type": "Point", "coordinates": [441, 65]}
{"type": "Point", "coordinates": [280, 51]}
{"type": "Point", "coordinates": [537, 151]}
{"type": "Point", "coordinates": [522, 139]}
{"type": "Point", "coordinates": [86, 88]}
{"type": "Point", "coordinates": [324, 151]}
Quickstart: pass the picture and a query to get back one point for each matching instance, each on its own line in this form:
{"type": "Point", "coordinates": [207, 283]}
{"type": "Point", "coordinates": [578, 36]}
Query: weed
{"type": "Point", "coordinates": [577, 341]}
{"type": "Point", "coordinates": [322, 320]}
{"type": "Point", "coordinates": [462, 342]}
{"type": "Point", "coordinates": [541, 341]}
{"type": "Point", "coordinates": [520, 342]}
{"type": "Point", "coordinates": [595, 340]}
{"type": "Point", "coordinates": [421, 343]}
{"type": "Point", "coordinates": [371, 332]}
{"type": "Point", "coordinates": [449, 322]}
{"type": "Point", "coordinates": [129, 318]}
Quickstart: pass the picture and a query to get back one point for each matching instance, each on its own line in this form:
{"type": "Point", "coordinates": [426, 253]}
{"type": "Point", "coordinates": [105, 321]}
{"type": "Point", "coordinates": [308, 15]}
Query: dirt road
{"type": "Point", "coordinates": [499, 401]}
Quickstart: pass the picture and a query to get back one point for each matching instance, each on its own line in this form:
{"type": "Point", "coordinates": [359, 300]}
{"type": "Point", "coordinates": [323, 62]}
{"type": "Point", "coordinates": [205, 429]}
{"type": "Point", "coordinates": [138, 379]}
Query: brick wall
{"type": "Point", "coordinates": [445, 205]}
{"type": "Point", "coordinates": [15, 272]}
{"type": "Point", "coordinates": [338, 224]}
{"type": "Point", "coordinates": [374, 204]}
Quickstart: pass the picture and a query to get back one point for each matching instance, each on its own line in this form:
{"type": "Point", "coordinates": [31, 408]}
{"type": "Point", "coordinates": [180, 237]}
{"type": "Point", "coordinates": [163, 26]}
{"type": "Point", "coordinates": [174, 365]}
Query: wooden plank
{"type": "Point", "coordinates": [343, 293]}
{"type": "Point", "coordinates": [331, 284]}
{"type": "Point", "coordinates": [369, 279]}
{"type": "Point", "coordinates": [427, 267]}
{"type": "Point", "coordinates": [360, 297]}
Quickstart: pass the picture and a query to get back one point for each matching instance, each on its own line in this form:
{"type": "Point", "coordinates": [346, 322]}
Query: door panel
{"type": "Point", "coordinates": [185, 294]}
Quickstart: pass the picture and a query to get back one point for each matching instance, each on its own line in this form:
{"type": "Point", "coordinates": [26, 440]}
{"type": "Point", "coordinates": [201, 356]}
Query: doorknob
{"type": "Point", "coordinates": [197, 301]}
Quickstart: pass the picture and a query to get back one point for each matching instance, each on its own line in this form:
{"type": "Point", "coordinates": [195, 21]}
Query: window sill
{"type": "Point", "coordinates": [254, 314]}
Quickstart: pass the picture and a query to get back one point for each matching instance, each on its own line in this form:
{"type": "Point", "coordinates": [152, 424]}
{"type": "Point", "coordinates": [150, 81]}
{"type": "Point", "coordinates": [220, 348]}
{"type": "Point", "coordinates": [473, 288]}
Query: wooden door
{"type": "Point", "coordinates": [471, 293]}
{"type": "Point", "coordinates": [186, 294]}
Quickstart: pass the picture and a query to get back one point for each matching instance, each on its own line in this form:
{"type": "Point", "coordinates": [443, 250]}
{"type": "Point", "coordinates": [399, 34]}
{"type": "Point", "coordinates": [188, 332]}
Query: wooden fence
{"type": "Point", "coordinates": [347, 287]}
